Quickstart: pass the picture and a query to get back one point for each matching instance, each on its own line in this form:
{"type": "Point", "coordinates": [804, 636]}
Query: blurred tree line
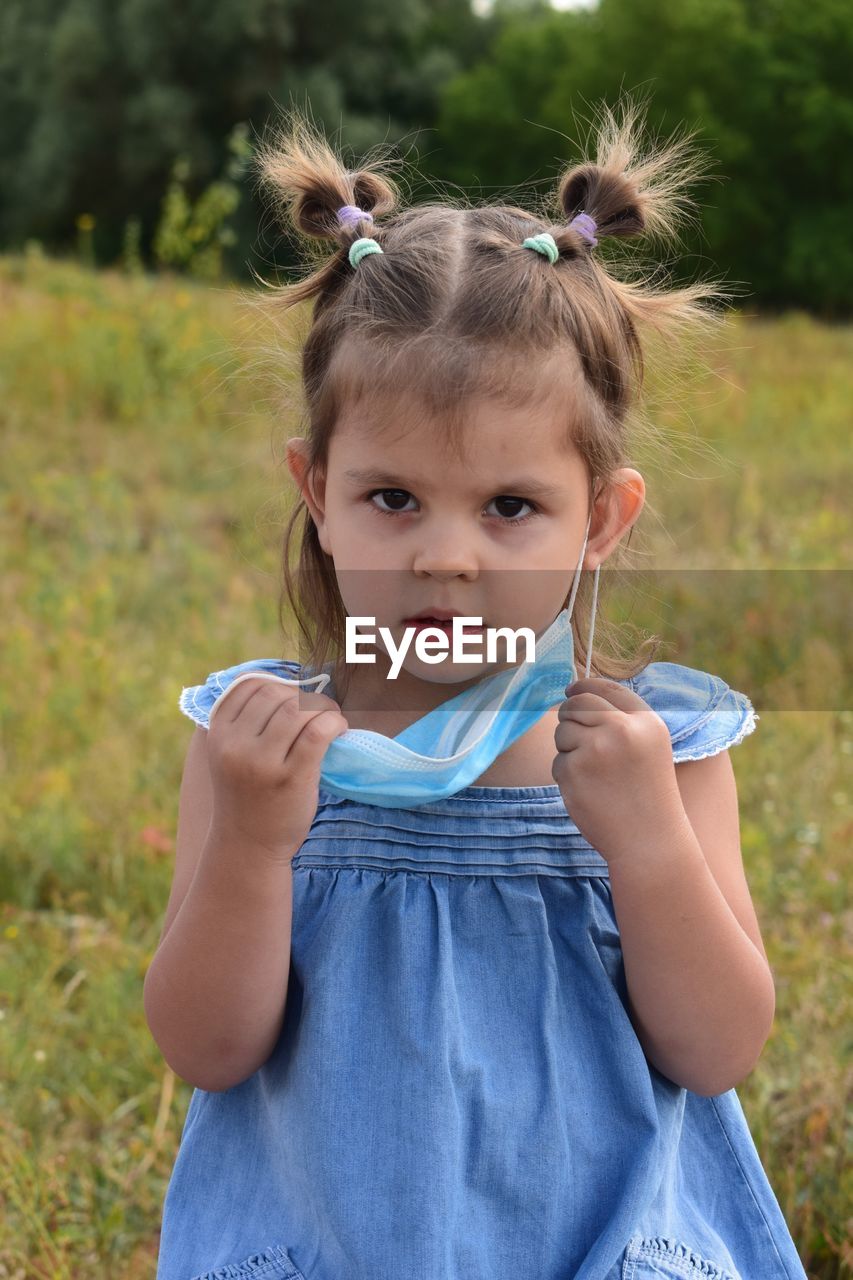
{"type": "Point", "coordinates": [126, 126]}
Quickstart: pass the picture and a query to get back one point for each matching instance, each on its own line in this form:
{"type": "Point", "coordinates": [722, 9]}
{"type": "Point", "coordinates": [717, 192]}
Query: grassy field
{"type": "Point", "coordinates": [141, 510]}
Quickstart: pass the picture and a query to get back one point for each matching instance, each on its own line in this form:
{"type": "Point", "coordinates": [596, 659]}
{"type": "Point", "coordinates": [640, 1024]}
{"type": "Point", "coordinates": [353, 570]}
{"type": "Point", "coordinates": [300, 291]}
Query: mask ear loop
{"type": "Point", "coordinates": [592, 620]}
{"type": "Point", "coordinates": [576, 584]}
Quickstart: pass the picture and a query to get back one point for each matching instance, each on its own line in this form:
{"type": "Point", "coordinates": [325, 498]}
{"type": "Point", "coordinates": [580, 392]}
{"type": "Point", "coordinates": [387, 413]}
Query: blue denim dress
{"type": "Point", "coordinates": [458, 1092]}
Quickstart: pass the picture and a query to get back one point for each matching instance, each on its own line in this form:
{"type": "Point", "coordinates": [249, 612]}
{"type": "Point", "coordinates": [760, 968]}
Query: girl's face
{"type": "Point", "coordinates": [498, 535]}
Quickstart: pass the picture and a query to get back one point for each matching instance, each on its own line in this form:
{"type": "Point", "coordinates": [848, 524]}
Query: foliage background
{"type": "Point", "coordinates": [100, 100]}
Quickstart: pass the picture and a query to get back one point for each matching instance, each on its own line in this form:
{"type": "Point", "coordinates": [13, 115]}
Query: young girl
{"type": "Point", "coordinates": [463, 964]}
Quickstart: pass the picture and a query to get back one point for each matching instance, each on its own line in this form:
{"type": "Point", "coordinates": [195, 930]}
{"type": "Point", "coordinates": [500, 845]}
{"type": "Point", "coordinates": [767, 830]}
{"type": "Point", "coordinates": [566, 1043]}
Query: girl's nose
{"type": "Point", "coordinates": [445, 552]}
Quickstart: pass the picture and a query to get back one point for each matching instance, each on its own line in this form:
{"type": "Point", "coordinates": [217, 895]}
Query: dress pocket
{"type": "Point", "coordinates": [660, 1258]}
{"type": "Point", "coordinates": [273, 1264]}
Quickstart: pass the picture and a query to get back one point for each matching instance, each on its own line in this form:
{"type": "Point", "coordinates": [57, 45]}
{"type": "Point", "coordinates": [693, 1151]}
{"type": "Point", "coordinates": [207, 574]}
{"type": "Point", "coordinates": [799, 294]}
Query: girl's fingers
{"type": "Point", "coordinates": [585, 709]}
{"type": "Point", "coordinates": [568, 735]}
{"type": "Point", "coordinates": [240, 692]}
{"type": "Point", "coordinates": [607, 691]}
{"type": "Point", "coordinates": [255, 705]}
{"type": "Point", "coordinates": [312, 741]}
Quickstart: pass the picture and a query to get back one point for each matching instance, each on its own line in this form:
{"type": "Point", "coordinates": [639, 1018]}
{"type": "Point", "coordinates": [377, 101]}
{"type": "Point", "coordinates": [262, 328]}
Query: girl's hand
{"type": "Point", "coordinates": [265, 747]}
{"type": "Point", "coordinates": [614, 767]}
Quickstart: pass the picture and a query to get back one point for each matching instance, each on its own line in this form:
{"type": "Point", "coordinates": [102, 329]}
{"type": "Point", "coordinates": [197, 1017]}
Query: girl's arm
{"type": "Point", "coordinates": [701, 992]}
{"type": "Point", "coordinates": [215, 991]}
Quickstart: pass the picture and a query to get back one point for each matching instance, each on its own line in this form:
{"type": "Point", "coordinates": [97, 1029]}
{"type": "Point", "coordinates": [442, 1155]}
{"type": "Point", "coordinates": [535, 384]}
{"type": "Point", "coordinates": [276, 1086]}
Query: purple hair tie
{"type": "Point", "coordinates": [585, 227]}
{"type": "Point", "coordinates": [350, 214]}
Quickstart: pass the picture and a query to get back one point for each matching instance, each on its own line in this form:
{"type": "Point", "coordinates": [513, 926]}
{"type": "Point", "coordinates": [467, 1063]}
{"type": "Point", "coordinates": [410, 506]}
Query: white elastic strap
{"type": "Point", "coordinates": [592, 620]}
{"type": "Point", "coordinates": [575, 586]}
{"type": "Point", "coordinates": [321, 680]}
{"type": "Point", "coordinates": [577, 578]}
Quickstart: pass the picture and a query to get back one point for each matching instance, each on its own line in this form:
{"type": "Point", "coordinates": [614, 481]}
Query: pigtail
{"type": "Point", "coordinates": [632, 191]}
{"type": "Point", "coordinates": [306, 183]}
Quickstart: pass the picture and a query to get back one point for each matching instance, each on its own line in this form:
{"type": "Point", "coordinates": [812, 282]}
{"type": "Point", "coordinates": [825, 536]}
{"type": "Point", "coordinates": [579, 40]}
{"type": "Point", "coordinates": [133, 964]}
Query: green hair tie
{"type": "Point", "coordinates": [544, 243]}
{"type": "Point", "coordinates": [360, 248]}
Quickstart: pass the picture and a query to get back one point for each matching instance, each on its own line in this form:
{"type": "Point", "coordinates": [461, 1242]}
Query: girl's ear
{"type": "Point", "coordinates": [615, 511]}
{"type": "Point", "coordinates": [312, 489]}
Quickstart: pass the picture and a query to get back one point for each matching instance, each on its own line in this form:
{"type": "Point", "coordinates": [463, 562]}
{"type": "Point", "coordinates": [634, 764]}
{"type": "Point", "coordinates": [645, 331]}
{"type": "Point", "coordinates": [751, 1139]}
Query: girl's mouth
{"type": "Point", "coordinates": [445, 625]}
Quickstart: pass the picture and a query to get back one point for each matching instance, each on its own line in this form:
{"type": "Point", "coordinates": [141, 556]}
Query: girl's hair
{"type": "Point", "coordinates": [455, 307]}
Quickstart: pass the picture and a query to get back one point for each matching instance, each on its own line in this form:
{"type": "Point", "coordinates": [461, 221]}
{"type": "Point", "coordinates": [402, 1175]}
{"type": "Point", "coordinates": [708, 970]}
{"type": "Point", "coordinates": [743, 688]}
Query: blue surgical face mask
{"type": "Point", "coordinates": [452, 745]}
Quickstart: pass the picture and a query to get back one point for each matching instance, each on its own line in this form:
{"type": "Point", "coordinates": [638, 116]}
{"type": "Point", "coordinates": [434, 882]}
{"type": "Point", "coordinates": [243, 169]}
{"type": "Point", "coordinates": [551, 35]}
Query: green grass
{"type": "Point", "coordinates": [140, 517]}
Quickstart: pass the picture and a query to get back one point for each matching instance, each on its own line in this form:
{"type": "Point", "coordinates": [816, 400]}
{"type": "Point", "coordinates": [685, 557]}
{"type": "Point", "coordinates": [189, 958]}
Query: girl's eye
{"type": "Point", "coordinates": [507, 518]}
{"type": "Point", "coordinates": [514, 502]}
{"type": "Point", "coordinates": [395, 510]}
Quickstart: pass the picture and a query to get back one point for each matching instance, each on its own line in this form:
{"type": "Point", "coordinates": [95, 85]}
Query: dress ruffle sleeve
{"type": "Point", "coordinates": [197, 701]}
{"type": "Point", "coordinates": [703, 714]}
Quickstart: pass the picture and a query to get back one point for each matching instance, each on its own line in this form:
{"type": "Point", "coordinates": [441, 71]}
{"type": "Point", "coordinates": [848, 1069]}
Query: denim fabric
{"type": "Point", "coordinates": [458, 1092]}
